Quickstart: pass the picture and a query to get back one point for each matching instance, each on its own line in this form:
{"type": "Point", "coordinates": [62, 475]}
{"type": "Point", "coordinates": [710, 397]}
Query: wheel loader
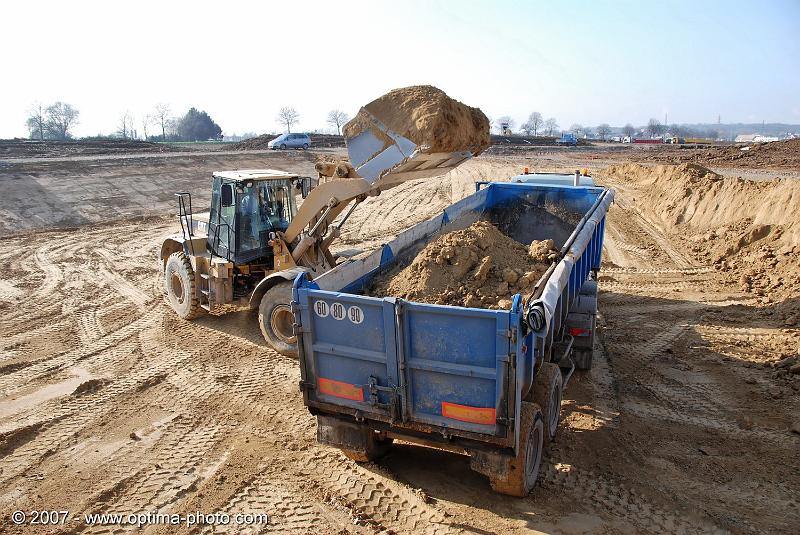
{"type": "Point", "coordinates": [254, 241]}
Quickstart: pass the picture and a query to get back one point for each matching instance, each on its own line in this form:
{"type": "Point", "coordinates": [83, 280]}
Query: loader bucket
{"type": "Point", "coordinates": [413, 132]}
{"type": "Point", "coordinates": [384, 157]}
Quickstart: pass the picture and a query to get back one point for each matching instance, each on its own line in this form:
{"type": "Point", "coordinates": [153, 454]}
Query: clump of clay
{"type": "Point", "coordinates": [426, 116]}
{"type": "Point", "coordinates": [475, 267]}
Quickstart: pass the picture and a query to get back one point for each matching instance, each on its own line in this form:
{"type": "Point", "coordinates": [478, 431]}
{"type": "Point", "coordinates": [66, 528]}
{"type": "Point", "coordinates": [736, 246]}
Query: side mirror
{"type": "Point", "coordinates": [227, 195]}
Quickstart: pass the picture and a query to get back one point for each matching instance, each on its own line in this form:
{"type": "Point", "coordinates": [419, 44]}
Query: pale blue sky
{"type": "Point", "coordinates": [578, 61]}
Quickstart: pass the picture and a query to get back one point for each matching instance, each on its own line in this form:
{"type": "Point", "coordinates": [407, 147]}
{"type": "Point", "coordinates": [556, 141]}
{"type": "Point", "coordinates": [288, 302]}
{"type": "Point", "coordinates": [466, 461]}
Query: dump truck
{"type": "Point", "coordinates": [483, 382]}
{"type": "Point", "coordinates": [254, 240]}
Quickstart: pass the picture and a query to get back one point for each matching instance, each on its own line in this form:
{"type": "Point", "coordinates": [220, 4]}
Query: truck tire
{"type": "Point", "coordinates": [374, 450]}
{"type": "Point", "coordinates": [582, 359]}
{"type": "Point", "coordinates": [547, 394]}
{"type": "Point", "coordinates": [523, 469]}
{"type": "Point", "coordinates": [179, 286]}
{"type": "Point", "coordinates": [276, 320]}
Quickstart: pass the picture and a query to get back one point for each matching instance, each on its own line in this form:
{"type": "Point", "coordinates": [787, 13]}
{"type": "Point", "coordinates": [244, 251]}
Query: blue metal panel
{"type": "Point", "coordinates": [456, 356]}
{"type": "Point", "coordinates": [352, 343]}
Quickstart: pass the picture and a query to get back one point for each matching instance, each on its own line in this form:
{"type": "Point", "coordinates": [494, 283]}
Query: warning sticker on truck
{"type": "Point", "coordinates": [465, 413]}
{"type": "Point", "coordinates": [340, 389]}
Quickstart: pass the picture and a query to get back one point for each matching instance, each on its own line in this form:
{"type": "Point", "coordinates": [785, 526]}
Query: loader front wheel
{"type": "Point", "coordinates": [179, 286]}
{"type": "Point", "coordinates": [276, 319]}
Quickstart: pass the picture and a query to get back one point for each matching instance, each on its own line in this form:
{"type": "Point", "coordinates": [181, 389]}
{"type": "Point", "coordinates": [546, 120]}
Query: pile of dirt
{"type": "Point", "coordinates": [748, 229]}
{"type": "Point", "coordinates": [475, 267]}
{"type": "Point", "coordinates": [426, 116]}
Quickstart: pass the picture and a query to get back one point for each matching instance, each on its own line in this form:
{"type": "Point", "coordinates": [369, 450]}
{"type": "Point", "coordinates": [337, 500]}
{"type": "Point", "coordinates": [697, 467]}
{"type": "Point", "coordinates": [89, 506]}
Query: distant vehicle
{"type": "Point", "coordinates": [674, 140]}
{"type": "Point", "coordinates": [626, 139]}
{"type": "Point", "coordinates": [290, 141]}
{"type": "Point", "coordinates": [568, 139]}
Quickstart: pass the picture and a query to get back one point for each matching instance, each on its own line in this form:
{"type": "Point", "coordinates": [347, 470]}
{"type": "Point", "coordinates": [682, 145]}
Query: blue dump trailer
{"type": "Point", "coordinates": [482, 382]}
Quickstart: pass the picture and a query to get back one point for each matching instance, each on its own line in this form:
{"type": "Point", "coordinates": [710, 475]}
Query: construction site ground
{"type": "Point", "coordinates": [109, 403]}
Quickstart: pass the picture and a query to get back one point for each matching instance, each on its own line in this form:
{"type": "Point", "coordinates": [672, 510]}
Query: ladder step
{"type": "Point", "coordinates": [205, 276]}
{"type": "Point", "coordinates": [204, 292]}
{"type": "Point", "coordinates": [205, 306]}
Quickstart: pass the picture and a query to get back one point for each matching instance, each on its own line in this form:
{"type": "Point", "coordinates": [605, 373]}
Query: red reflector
{"type": "Point", "coordinates": [475, 415]}
{"type": "Point", "coordinates": [579, 332]}
{"type": "Point", "coordinates": [340, 389]}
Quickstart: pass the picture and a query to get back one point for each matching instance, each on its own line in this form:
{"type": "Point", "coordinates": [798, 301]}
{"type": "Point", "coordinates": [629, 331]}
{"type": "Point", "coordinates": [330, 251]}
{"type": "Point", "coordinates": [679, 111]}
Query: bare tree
{"type": "Point", "coordinates": [577, 129]}
{"type": "Point", "coordinates": [337, 118]}
{"type": "Point", "coordinates": [654, 127]}
{"type": "Point", "coordinates": [61, 117]}
{"type": "Point", "coordinates": [147, 120]}
{"type": "Point", "coordinates": [551, 126]}
{"type": "Point", "coordinates": [37, 122]}
{"type": "Point", "coordinates": [288, 116]}
{"type": "Point", "coordinates": [125, 125]}
{"type": "Point", "coordinates": [162, 117]}
{"type": "Point", "coordinates": [505, 124]}
{"type": "Point", "coordinates": [628, 130]}
{"type": "Point", "coordinates": [533, 124]}
{"type": "Point", "coordinates": [603, 130]}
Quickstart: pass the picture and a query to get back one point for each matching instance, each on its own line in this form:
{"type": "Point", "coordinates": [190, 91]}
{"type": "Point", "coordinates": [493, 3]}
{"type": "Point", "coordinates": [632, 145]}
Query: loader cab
{"type": "Point", "coordinates": [247, 209]}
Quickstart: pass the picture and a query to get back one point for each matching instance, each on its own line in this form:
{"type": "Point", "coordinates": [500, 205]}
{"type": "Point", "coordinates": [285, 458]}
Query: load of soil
{"type": "Point", "coordinates": [748, 229]}
{"type": "Point", "coordinates": [426, 116]}
{"type": "Point", "coordinates": [475, 267]}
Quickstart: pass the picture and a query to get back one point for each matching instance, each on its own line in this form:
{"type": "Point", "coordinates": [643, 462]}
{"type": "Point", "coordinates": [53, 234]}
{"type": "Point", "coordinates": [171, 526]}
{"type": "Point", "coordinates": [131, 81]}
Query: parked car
{"type": "Point", "coordinates": [290, 141]}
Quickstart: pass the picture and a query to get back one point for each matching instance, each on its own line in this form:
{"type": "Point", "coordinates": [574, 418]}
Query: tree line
{"type": "Point", "coordinates": [56, 122]}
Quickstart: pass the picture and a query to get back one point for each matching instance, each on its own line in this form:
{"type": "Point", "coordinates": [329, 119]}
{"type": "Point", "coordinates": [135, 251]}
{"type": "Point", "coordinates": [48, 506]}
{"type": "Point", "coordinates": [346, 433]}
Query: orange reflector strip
{"type": "Point", "coordinates": [476, 415]}
{"type": "Point", "coordinates": [340, 389]}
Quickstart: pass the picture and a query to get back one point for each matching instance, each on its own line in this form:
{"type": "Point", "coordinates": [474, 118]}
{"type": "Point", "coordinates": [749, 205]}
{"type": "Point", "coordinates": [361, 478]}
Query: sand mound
{"type": "Point", "coordinates": [426, 116]}
{"type": "Point", "coordinates": [475, 267]}
{"type": "Point", "coordinates": [748, 228]}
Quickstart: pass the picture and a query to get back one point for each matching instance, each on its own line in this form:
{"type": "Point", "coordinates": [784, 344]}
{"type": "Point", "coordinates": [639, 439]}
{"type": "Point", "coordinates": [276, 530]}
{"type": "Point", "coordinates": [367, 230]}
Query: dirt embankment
{"type": "Point", "coordinates": [261, 142]}
{"type": "Point", "coordinates": [775, 155]}
{"type": "Point", "coordinates": [22, 148]}
{"type": "Point", "coordinates": [475, 267]}
{"type": "Point", "coordinates": [748, 230]}
{"type": "Point", "coordinates": [428, 117]}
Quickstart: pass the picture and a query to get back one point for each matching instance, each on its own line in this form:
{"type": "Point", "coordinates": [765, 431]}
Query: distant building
{"type": "Point", "coordinates": [745, 138]}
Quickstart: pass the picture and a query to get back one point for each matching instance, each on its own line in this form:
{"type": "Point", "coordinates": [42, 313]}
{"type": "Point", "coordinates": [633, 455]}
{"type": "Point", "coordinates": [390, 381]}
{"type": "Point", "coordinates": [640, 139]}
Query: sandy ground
{"type": "Point", "coordinates": [110, 403]}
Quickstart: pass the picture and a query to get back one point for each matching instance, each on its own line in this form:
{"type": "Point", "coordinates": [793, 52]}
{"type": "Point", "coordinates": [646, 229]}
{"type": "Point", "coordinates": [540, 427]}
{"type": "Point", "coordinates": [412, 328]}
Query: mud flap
{"type": "Point", "coordinates": [342, 434]}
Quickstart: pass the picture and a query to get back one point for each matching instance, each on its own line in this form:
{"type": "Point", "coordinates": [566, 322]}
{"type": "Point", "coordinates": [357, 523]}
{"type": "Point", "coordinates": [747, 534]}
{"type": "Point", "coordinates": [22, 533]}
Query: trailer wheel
{"type": "Point", "coordinates": [180, 287]}
{"type": "Point", "coordinates": [375, 449]}
{"type": "Point", "coordinates": [276, 320]}
{"type": "Point", "coordinates": [547, 392]}
{"type": "Point", "coordinates": [523, 469]}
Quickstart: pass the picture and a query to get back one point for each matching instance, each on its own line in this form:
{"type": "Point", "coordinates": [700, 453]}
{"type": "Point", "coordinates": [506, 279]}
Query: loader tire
{"type": "Point", "coordinates": [523, 470]}
{"type": "Point", "coordinates": [276, 320]}
{"type": "Point", "coordinates": [179, 285]}
{"type": "Point", "coordinates": [547, 394]}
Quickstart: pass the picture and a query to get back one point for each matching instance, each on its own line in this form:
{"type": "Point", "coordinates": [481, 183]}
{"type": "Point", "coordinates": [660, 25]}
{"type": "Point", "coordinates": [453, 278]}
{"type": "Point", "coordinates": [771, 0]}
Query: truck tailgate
{"type": "Point", "coordinates": [408, 364]}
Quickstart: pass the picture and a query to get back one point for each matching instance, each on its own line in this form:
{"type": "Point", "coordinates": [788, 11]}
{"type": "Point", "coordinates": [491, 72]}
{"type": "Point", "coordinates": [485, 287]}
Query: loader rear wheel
{"type": "Point", "coordinates": [547, 394]}
{"type": "Point", "coordinates": [523, 469]}
{"type": "Point", "coordinates": [180, 286]}
{"type": "Point", "coordinates": [276, 319]}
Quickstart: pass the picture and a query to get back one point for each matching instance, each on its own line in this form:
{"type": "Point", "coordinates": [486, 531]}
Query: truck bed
{"type": "Point", "coordinates": [443, 374]}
